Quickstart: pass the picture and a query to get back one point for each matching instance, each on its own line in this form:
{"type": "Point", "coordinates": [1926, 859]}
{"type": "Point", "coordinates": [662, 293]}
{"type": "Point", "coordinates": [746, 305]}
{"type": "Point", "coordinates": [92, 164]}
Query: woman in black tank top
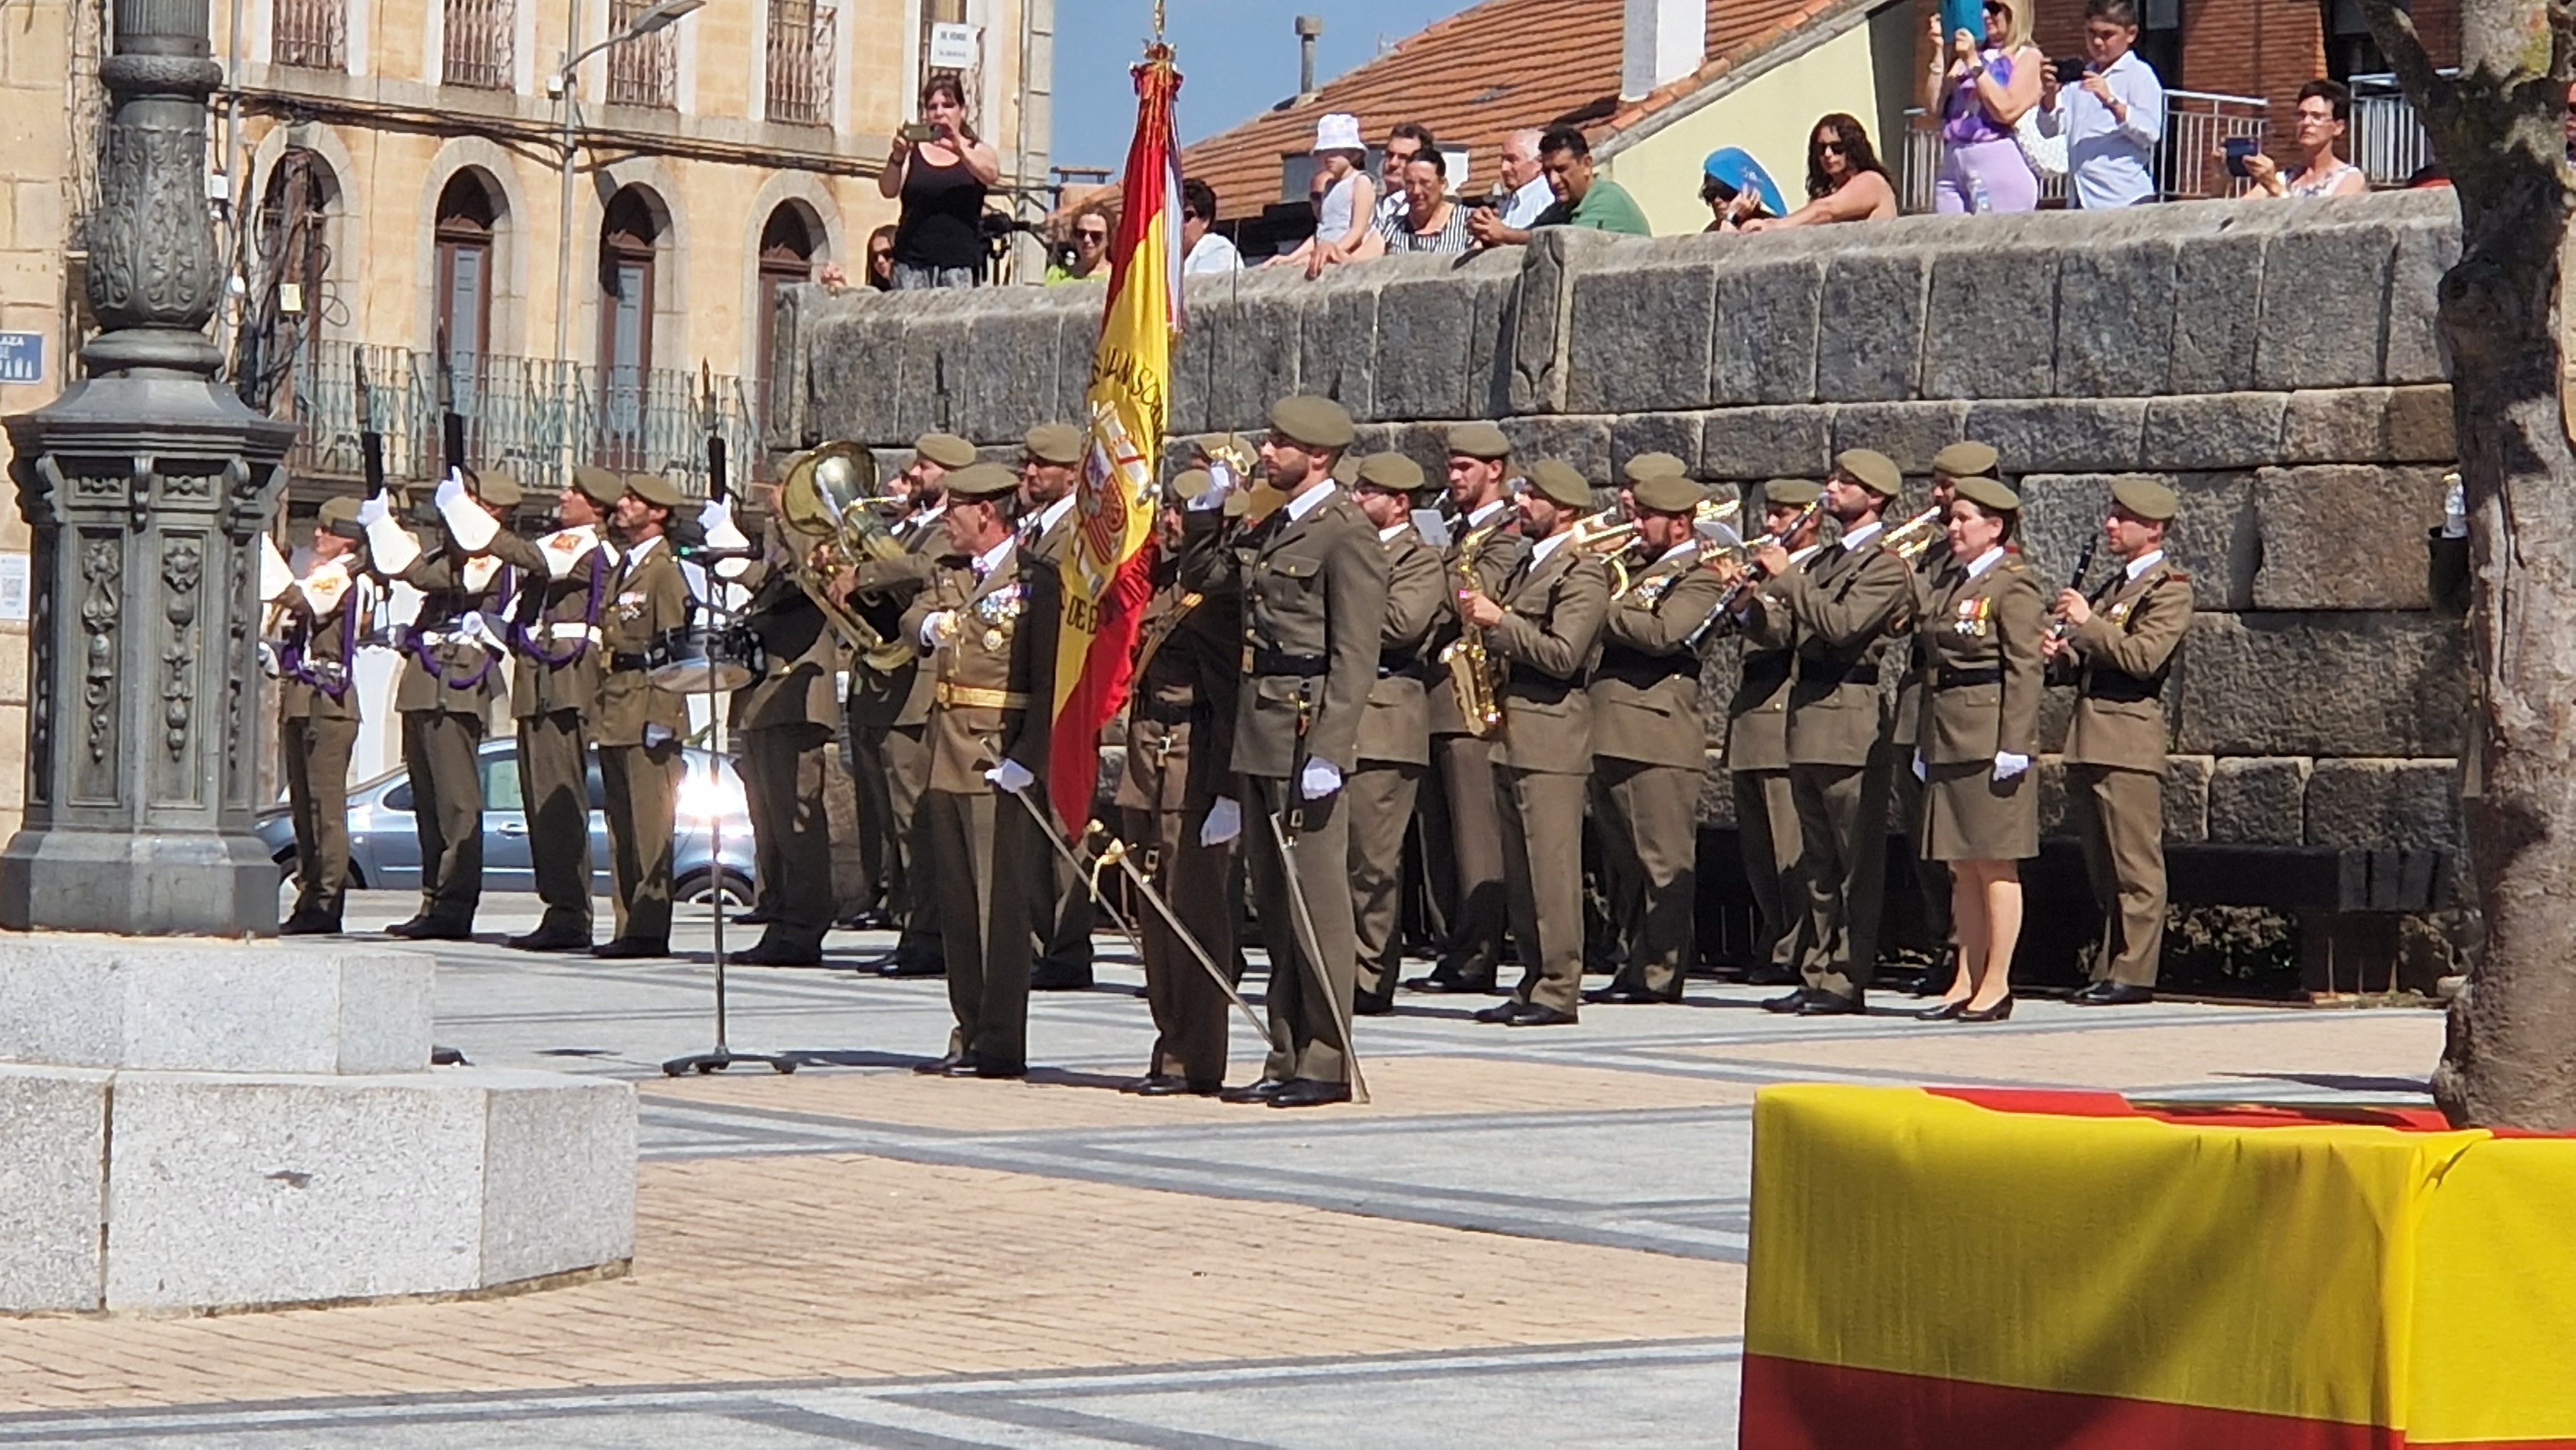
{"type": "Point", "coordinates": [942, 181]}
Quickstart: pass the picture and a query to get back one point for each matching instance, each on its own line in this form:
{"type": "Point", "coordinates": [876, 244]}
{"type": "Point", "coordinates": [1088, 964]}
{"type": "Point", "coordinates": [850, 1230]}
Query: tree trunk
{"type": "Point", "coordinates": [2511, 1056]}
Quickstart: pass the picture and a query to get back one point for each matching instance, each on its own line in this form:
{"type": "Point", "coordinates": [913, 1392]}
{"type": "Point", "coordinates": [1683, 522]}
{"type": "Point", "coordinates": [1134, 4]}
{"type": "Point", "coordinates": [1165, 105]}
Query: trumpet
{"type": "Point", "coordinates": [827, 500]}
{"type": "Point", "coordinates": [1715, 513]}
{"type": "Point", "coordinates": [1609, 536]}
{"type": "Point", "coordinates": [1910, 538]}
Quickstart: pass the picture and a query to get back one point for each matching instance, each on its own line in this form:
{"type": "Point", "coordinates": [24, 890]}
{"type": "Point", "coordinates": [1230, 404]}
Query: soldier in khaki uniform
{"type": "Point", "coordinates": [785, 721]}
{"type": "Point", "coordinates": [1649, 748]}
{"type": "Point", "coordinates": [1757, 744]}
{"type": "Point", "coordinates": [1395, 730]}
{"type": "Point", "coordinates": [317, 713]}
{"type": "Point", "coordinates": [554, 684]}
{"type": "Point", "coordinates": [1050, 466]}
{"type": "Point", "coordinates": [1841, 606]}
{"type": "Point", "coordinates": [1546, 627]}
{"type": "Point", "coordinates": [638, 728]}
{"type": "Point", "coordinates": [990, 626]}
{"type": "Point", "coordinates": [2119, 649]}
{"type": "Point", "coordinates": [1180, 728]}
{"type": "Point", "coordinates": [1313, 586]}
{"type": "Point", "coordinates": [1968, 459]}
{"type": "Point", "coordinates": [1485, 547]}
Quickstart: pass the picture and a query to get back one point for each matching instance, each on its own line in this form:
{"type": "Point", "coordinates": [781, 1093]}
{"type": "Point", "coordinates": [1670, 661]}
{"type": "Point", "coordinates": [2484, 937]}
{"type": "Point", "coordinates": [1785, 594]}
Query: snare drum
{"type": "Point", "coordinates": [699, 658]}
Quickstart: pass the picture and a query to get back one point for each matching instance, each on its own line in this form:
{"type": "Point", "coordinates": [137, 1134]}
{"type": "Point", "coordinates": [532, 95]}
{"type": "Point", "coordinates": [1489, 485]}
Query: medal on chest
{"type": "Point", "coordinates": [1975, 617]}
{"type": "Point", "coordinates": [998, 612]}
{"type": "Point", "coordinates": [2120, 611]}
{"type": "Point", "coordinates": [630, 605]}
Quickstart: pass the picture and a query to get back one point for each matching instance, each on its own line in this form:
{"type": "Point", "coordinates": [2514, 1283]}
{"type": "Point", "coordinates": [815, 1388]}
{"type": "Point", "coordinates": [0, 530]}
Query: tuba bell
{"type": "Point", "coordinates": [827, 502]}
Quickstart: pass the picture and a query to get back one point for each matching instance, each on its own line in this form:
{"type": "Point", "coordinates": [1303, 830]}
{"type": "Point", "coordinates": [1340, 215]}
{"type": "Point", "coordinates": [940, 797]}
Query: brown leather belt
{"type": "Point", "coordinates": [971, 697]}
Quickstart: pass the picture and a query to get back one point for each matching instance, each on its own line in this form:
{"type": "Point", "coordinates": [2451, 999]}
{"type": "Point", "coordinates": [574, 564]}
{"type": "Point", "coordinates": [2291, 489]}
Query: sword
{"type": "Point", "coordinates": [1047, 829]}
{"type": "Point", "coordinates": [1116, 853]}
{"type": "Point", "coordinates": [1303, 918]}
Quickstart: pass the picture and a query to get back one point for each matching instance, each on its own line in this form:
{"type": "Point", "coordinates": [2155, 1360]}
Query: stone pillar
{"type": "Point", "coordinates": [147, 484]}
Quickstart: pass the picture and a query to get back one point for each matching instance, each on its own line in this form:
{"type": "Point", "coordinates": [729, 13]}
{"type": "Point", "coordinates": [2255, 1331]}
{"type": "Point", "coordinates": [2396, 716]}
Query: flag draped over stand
{"type": "Point", "coordinates": [1108, 573]}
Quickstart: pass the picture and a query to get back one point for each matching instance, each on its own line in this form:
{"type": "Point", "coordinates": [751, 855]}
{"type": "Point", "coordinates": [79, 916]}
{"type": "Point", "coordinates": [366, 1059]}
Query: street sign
{"type": "Point", "coordinates": [953, 47]}
{"type": "Point", "coordinates": [22, 357]}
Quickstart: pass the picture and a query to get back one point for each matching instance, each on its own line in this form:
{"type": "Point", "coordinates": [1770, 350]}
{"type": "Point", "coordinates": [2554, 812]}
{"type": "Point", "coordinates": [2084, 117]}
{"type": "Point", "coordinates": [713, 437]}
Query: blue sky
{"type": "Point", "coordinates": [1238, 58]}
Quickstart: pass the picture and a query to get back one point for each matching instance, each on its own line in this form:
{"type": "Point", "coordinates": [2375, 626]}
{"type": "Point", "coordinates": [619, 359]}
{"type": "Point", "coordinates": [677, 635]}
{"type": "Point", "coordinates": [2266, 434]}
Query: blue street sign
{"type": "Point", "coordinates": [22, 357]}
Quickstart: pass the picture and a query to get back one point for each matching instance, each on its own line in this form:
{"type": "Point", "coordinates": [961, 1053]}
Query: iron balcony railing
{"type": "Point", "coordinates": [800, 62]}
{"type": "Point", "coordinates": [531, 416]}
{"type": "Point", "coordinates": [2388, 139]}
{"type": "Point", "coordinates": [2187, 166]}
{"type": "Point", "coordinates": [643, 71]}
{"type": "Point", "coordinates": [477, 49]}
{"type": "Point", "coordinates": [313, 34]}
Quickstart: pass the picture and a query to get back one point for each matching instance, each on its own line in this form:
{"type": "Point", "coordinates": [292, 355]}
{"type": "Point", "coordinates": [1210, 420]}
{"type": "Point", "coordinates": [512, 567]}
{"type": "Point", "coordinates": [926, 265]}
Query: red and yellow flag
{"type": "Point", "coordinates": [1108, 573]}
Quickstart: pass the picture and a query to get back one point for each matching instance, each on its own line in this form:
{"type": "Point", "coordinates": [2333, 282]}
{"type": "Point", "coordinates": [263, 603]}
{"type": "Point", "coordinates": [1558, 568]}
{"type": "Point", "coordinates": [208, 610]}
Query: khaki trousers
{"type": "Point", "coordinates": [1931, 878]}
{"type": "Point", "coordinates": [1482, 902]}
{"type": "Point", "coordinates": [440, 753]}
{"type": "Point", "coordinates": [882, 883]}
{"type": "Point", "coordinates": [554, 793]}
{"type": "Point", "coordinates": [1842, 837]}
{"type": "Point", "coordinates": [2120, 818]}
{"type": "Point", "coordinates": [1381, 795]}
{"type": "Point", "coordinates": [784, 768]}
{"type": "Point", "coordinates": [983, 905]}
{"type": "Point", "coordinates": [1308, 999]}
{"type": "Point", "coordinates": [317, 791]}
{"type": "Point", "coordinates": [1189, 1011]}
{"type": "Point", "coordinates": [642, 783]}
{"type": "Point", "coordinates": [1648, 817]}
{"type": "Point", "coordinates": [1540, 817]}
{"type": "Point", "coordinates": [1766, 831]}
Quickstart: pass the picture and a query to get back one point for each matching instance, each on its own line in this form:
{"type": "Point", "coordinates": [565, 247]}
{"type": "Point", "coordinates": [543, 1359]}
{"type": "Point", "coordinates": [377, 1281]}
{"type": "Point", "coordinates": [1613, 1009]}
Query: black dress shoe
{"type": "Point", "coordinates": [1438, 983]}
{"type": "Point", "coordinates": [986, 1067]}
{"type": "Point", "coordinates": [903, 966]}
{"type": "Point", "coordinates": [1767, 975]}
{"type": "Point", "coordinates": [552, 939]}
{"type": "Point", "coordinates": [408, 928]}
{"type": "Point", "coordinates": [1789, 1004]}
{"type": "Point", "coordinates": [1828, 1004]}
{"type": "Point", "coordinates": [1944, 1012]}
{"type": "Point", "coordinates": [437, 930]}
{"type": "Point", "coordinates": [1308, 1093]}
{"type": "Point", "coordinates": [2113, 994]}
{"type": "Point", "coordinates": [1051, 977]}
{"type": "Point", "coordinates": [1503, 1011]}
{"type": "Point", "coordinates": [1372, 1007]}
{"type": "Point", "coordinates": [770, 951]}
{"type": "Point", "coordinates": [309, 926]}
{"type": "Point", "coordinates": [630, 948]}
{"type": "Point", "coordinates": [756, 916]}
{"type": "Point", "coordinates": [2000, 1012]}
{"type": "Point", "coordinates": [1617, 996]}
{"type": "Point", "coordinates": [1142, 1084]}
{"type": "Point", "coordinates": [1534, 1015]}
{"type": "Point", "coordinates": [869, 920]}
{"type": "Point", "coordinates": [1173, 1087]}
{"type": "Point", "coordinates": [1256, 1092]}
{"type": "Point", "coordinates": [938, 1066]}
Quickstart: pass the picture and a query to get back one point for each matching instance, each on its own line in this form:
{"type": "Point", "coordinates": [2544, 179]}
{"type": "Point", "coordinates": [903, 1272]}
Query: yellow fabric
{"type": "Point", "coordinates": [2495, 1305]}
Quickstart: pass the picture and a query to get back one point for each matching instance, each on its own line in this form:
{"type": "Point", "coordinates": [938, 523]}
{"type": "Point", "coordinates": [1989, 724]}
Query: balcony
{"type": "Point", "coordinates": [2388, 140]}
{"type": "Point", "coordinates": [531, 416]}
{"type": "Point", "coordinates": [312, 34]}
{"type": "Point", "coordinates": [2186, 166]}
{"type": "Point", "coordinates": [477, 49]}
{"type": "Point", "coordinates": [800, 62]}
{"type": "Point", "coordinates": [643, 71]}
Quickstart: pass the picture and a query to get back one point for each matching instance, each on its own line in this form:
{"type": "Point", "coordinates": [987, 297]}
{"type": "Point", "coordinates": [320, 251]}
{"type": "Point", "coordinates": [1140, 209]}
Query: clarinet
{"type": "Point", "coordinates": [2083, 566]}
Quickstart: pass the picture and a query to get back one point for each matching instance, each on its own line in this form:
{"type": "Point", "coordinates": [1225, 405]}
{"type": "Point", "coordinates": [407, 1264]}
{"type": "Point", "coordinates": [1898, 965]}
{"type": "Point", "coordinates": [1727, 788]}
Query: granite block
{"type": "Point", "coordinates": [2345, 535]}
{"type": "Point", "coordinates": [1990, 324]}
{"type": "Point", "coordinates": [1754, 444]}
{"type": "Point", "coordinates": [1910, 433]}
{"type": "Point", "coordinates": [213, 1006]}
{"type": "Point", "coordinates": [2308, 341]}
{"type": "Point", "coordinates": [2322, 684]}
{"type": "Point", "coordinates": [558, 1175]}
{"type": "Point", "coordinates": [1337, 353]}
{"type": "Point", "coordinates": [1422, 368]}
{"type": "Point", "coordinates": [2370, 425]}
{"type": "Point", "coordinates": [2257, 800]}
{"type": "Point", "coordinates": [1640, 339]}
{"type": "Point", "coordinates": [2385, 804]}
{"type": "Point", "coordinates": [2212, 430]}
{"type": "Point", "coordinates": [53, 1188]}
{"type": "Point", "coordinates": [2115, 319]}
{"type": "Point", "coordinates": [2062, 434]}
{"type": "Point", "coordinates": [1869, 326]}
{"type": "Point", "coordinates": [2427, 248]}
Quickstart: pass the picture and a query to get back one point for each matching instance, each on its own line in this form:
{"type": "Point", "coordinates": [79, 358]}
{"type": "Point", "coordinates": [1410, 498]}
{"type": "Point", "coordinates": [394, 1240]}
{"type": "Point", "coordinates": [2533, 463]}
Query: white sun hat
{"type": "Point", "coordinates": [1339, 131]}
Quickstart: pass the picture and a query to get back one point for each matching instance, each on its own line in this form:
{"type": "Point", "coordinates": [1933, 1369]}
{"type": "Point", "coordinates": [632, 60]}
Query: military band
{"type": "Point", "coordinates": [1327, 667]}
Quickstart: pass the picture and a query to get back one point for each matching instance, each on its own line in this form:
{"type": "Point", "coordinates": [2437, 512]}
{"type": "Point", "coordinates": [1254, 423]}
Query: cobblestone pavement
{"type": "Point", "coordinates": [1528, 1238]}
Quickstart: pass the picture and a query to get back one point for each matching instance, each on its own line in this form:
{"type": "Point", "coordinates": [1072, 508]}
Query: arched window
{"type": "Point", "coordinates": [629, 237]}
{"type": "Point", "coordinates": [789, 245]}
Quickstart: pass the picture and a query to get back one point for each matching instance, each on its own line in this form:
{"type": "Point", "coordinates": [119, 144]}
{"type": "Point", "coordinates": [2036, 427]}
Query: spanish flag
{"type": "Point", "coordinates": [1953, 1270]}
{"type": "Point", "coordinates": [1108, 573]}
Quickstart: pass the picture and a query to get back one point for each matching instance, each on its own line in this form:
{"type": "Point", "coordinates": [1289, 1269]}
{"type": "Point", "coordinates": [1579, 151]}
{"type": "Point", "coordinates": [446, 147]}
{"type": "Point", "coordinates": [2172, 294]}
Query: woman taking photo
{"type": "Point", "coordinates": [1845, 182]}
{"type": "Point", "coordinates": [941, 173]}
{"type": "Point", "coordinates": [1980, 96]}
{"type": "Point", "coordinates": [1980, 639]}
{"type": "Point", "coordinates": [2325, 113]}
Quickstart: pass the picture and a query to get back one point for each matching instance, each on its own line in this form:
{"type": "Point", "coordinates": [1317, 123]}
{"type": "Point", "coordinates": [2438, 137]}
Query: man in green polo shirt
{"type": "Point", "coordinates": [1582, 199]}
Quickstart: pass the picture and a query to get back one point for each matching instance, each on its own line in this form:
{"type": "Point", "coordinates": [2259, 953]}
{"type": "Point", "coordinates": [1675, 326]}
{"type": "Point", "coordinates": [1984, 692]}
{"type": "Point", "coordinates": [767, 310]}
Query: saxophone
{"type": "Point", "coordinates": [1474, 678]}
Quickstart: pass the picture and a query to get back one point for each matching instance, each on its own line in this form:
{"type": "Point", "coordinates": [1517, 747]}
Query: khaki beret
{"type": "Point", "coordinates": [2147, 499]}
{"type": "Point", "coordinates": [978, 482]}
{"type": "Point", "coordinates": [1966, 460]}
{"type": "Point", "coordinates": [1654, 465]}
{"type": "Point", "coordinates": [1794, 493]}
{"type": "Point", "coordinates": [1312, 422]}
{"type": "Point", "coordinates": [1560, 483]}
{"type": "Point", "coordinates": [1872, 470]}
{"type": "Point", "coordinates": [945, 449]}
{"type": "Point", "coordinates": [1988, 493]}
{"type": "Point", "coordinates": [1391, 472]}
{"type": "Point", "coordinates": [654, 489]}
{"type": "Point", "coordinates": [1346, 470]}
{"type": "Point", "coordinates": [499, 487]}
{"type": "Point", "coordinates": [1667, 493]}
{"type": "Point", "coordinates": [1188, 485]}
{"type": "Point", "coordinates": [1059, 443]}
{"type": "Point", "coordinates": [598, 484]}
{"type": "Point", "coordinates": [340, 516]}
{"type": "Point", "coordinates": [1479, 439]}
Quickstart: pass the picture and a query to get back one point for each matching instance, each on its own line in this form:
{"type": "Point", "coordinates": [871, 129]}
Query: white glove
{"type": "Point", "coordinates": [2008, 765]}
{"type": "Point", "coordinates": [2455, 512]}
{"type": "Point", "coordinates": [1921, 771]}
{"type": "Point", "coordinates": [934, 627]}
{"type": "Point", "coordinates": [472, 528]}
{"type": "Point", "coordinates": [479, 629]}
{"type": "Point", "coordinates": [275, 578]}
{"type": "Point", "coordinates": [450, 491]}
{"type": "Point", "coordinates": [1224, 822]}
{"type": "Point", "coordinates": [372, 510]}
{"type": "Point", "coordinates": [1222, 483]}
{"type": "Point", "coordinates": [716, 522]}
{"type": "Point", "coordinates": [1321, 779]}
{"type": "Point", "coordinates": [1011, 776]}
{"type": "Point", "coordinates": [389, 545]}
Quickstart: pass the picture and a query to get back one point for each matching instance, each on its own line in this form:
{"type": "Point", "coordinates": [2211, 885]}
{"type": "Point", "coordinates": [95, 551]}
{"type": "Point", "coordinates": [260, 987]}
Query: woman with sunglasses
{"type": "Point", "coordinates": [1736, 190]}
{"type": "Point", "coordinates": [1093, 223]}
{"type": "Point", "coordinates": [941, 172]}
{"type": "Point", "coordinates": [1845, 182]}
{"type": "Point", "coordinates": [1980, 96]}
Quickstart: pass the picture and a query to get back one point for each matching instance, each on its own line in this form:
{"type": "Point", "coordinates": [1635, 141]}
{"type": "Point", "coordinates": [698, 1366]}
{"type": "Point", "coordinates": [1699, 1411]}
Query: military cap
{"type": "Point", "coordinates": [979, 482]}
{"type": "Point", "coordinates": [340, 516]}
{"type": "Point", "coordinates": [1966, 460]}
{"type": "Point", "coordinates": [1312, 422]}
{"type": "Point", "coordinates": [2146, 498]}
{"type": "Point", "coordinates": [654, 489]}
{"type": "Point", "coordinates": [1392, 472]}
{"type": "Point", "coordinates": [1346, 470]}
{"type": "Point", "coordinates": [499, 487]}
{"type": "Point", "coordinates": [598, 484]}
{"type": "Point", "coordinates": [1054, 443]}
{"type": "Point", "coordinates": [1872, 470]}
{"type": "Point", "coordinates": [1189, 486]}
{"type": "Point", "coordinates": [945, 449]}
{"type": "Point", "coordinates": [1667, 493]}
{"type": "Point", "coordinates": [1479, 439]}
{"type": "Point", "coordinates": [1794, 493]}
{"type": "Point", "coordinates": [1560, 483]}
{"type": "Point", "coordinates": [1988, 493]}
{"type": "Point", "coordinates": [1655, 465]}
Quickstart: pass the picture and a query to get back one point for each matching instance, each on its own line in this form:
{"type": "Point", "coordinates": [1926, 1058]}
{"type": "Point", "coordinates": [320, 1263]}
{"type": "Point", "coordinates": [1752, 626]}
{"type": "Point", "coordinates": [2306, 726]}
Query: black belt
{"type": "Point", "coordinates": [2119, 688]}
{"type": "Point", "coordinates": [1826, 672]}
{"type": "Point", "coordinates": [1633, 667]}
{"type": "Point", "coordinates": [1949, 679]}
{"type": "Point", "coordinates": [1164, 712]}
{"type": "Point", "coordinates": [624, 661]}
{"type": "Point", "coordinates": [1399, 667]}
{"type": "Point", "coordinates": [1767, 671]}
{"type": "Point", "coordinates": [1260, 661]}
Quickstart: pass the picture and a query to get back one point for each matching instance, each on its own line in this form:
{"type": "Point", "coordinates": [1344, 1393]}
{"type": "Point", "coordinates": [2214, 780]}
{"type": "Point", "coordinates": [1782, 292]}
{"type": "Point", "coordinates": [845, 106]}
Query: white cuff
{"type": "Point", "coordinates": [390, 547]}
{"type": "Point", "coordinates": [1011, 776]}
{"type": "Point", "coordinates": [1224, 822]}
{"type": "Point", "coordinates": [1321, 778]}
{"type": "Point", "coordinates": [2008, 765]}
{"type": "Point", "coordinates": [466, 520]}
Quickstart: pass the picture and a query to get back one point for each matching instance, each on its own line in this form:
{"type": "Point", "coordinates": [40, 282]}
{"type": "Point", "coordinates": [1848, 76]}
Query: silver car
{"type": "Point", "coordinates": [384, 846]}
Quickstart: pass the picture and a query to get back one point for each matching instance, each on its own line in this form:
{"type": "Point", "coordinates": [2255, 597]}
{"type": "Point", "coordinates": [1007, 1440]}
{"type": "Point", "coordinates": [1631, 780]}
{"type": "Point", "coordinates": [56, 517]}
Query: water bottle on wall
{"type": "Point", "coordinates": [1980, 200]}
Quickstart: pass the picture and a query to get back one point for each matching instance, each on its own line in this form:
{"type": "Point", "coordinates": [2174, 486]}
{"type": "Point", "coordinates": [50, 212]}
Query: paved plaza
{"type": "Point", "coordinates": [1530, 1237]}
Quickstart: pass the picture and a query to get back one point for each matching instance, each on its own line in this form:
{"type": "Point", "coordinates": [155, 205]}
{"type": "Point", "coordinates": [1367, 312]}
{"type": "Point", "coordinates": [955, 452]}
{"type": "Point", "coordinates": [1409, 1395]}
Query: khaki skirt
{"type": "Point", "coordinates": [1968, 815]}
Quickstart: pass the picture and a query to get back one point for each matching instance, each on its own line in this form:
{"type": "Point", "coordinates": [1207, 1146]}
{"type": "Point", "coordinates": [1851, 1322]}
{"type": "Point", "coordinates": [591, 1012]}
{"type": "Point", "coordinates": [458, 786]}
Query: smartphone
{"type": "Point", "coordinates": [917, 132]}
{"type": "Point", "coordinates": [2237, 149]}
{"type": "Point", "coordinates": [1967, 15]}
{"type": "Point", "coordinates": [2070, 72]}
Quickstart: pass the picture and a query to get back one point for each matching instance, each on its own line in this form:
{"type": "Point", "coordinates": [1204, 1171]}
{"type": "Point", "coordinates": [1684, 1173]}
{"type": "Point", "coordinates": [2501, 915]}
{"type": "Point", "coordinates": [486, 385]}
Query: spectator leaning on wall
{"type": "Point", "coordinates": [1526, 193]}
{"type": "Point", "coordinates": [2325, 111]}
{"type": "Point", "coordinates": [1403, 143]}
{"type": "Point", "coordinates": [1428, 221]}
{"type": "Point", "coordinates": [1582, 199]}
{"type": "Point", "coordinates": [1205, 248]}
{"type": "Point", "coordinates": [1845, 181]}
{"type": "Point", "coordinates": [2114, 118]}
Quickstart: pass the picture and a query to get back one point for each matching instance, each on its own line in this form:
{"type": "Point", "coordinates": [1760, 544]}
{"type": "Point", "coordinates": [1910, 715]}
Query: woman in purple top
{"type": "Point", "coordinates": [1980, 95]}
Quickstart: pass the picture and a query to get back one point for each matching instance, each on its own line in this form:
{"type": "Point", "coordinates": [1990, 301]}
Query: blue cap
{"type": "Point", "coordinates": [1733, 167]}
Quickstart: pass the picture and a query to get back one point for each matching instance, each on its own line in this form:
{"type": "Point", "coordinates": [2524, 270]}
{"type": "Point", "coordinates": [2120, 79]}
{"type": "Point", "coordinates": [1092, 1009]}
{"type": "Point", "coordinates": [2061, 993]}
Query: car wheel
{"type": "Point", "coordinates": [698, 889]}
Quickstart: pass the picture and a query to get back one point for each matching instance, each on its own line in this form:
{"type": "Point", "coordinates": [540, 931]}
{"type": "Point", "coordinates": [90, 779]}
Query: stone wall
{"type": "Point", "coordinates": [2277, 364]}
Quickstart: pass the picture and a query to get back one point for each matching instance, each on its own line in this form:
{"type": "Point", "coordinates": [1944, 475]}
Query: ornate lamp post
{"type": "Point", "coordinates": [147, 485]}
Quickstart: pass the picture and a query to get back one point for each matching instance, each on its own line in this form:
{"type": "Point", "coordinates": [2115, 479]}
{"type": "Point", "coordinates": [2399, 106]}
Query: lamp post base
{"type": "Point", "coordinates": [192, 883]}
